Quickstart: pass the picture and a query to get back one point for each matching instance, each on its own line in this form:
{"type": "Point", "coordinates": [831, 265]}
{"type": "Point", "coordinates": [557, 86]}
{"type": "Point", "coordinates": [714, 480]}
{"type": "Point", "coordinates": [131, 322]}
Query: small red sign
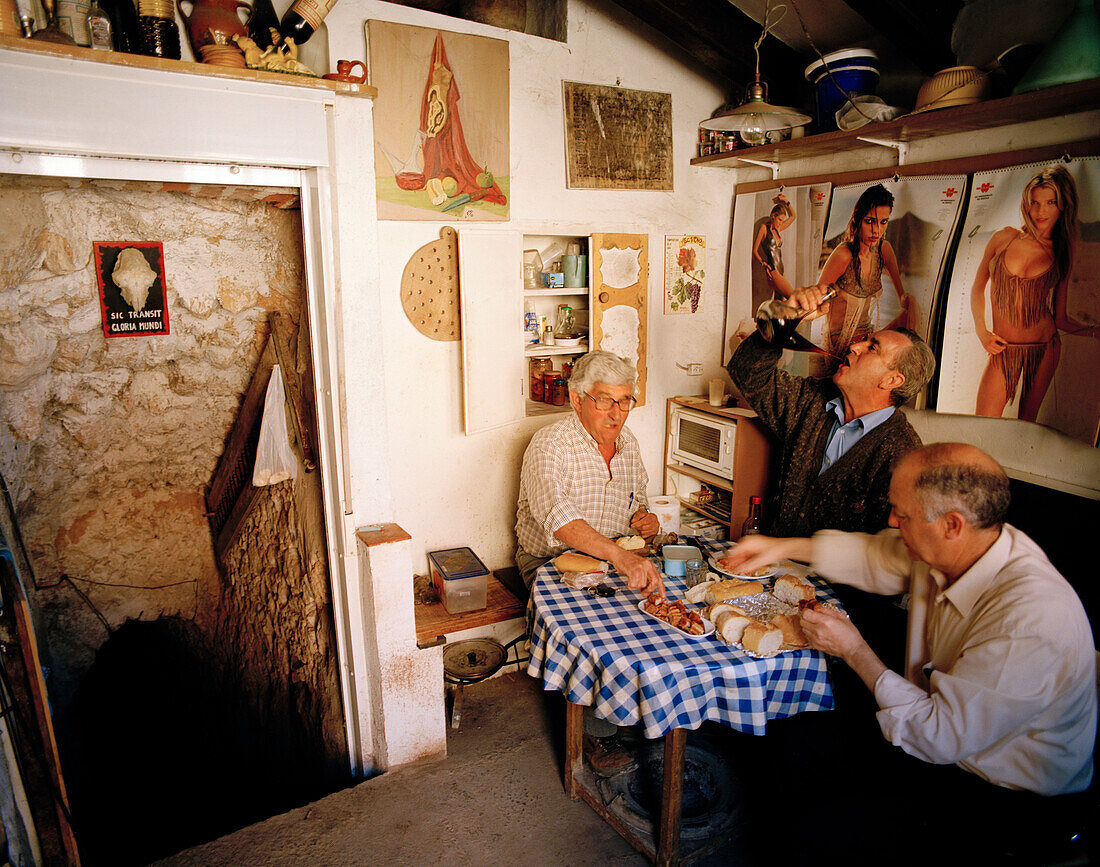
{"type": "Point", "coordinates": [132, 294]}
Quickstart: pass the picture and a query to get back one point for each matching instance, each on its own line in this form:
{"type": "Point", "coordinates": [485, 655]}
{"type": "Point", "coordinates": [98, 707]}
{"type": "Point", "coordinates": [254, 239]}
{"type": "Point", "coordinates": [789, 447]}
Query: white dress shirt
{"type": "Point", "coordinates": [1011, 692]}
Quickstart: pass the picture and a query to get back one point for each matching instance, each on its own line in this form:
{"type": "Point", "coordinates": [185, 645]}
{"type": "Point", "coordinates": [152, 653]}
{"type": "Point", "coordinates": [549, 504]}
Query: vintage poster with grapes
{"type": "Point", "coordinates": [685, 263]}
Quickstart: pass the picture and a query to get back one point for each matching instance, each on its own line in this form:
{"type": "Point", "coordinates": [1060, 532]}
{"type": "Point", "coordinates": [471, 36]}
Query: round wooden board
{"type": "Point", "coordinates": [429, 288]}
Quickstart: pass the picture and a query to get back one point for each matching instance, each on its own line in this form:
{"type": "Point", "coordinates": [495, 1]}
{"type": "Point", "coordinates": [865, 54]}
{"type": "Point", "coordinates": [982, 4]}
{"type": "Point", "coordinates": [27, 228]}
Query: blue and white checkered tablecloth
{"type": "Point", "coordinates": [605, 652]}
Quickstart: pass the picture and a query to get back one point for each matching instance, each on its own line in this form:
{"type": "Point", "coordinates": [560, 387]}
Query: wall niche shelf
{"type": "Point", "coordinates": [1037, 105]}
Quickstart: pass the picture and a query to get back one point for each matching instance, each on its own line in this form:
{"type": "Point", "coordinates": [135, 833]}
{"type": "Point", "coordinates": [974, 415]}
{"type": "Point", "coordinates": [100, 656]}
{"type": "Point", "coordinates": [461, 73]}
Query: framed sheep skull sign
{"type": "Point", "coordinates": [132, 294]}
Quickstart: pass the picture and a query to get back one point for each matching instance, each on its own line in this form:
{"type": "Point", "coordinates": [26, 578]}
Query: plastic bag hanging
{"type": "Point", "coordinates": [275, 459]}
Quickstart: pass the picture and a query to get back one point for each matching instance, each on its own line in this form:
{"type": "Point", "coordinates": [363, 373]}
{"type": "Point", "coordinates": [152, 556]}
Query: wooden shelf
{"type": "Point", "coordinates": [540, 349]}
{"type": "Point", "coordinates": [1037, 105]}
{"type": "Point", "coordinates": [434, 624]}
{"type": "Point", "coordinates": [139, 61]}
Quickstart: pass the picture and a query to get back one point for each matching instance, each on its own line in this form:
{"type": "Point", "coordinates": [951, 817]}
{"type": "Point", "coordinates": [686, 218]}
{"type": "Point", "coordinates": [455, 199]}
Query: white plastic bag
{"type": "Point", "coordinates": [275, 459]}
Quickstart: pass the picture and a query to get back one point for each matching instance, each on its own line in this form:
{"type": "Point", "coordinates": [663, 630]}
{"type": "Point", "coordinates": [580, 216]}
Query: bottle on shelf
{"type": "Point", "coordinates": [752, 524]}
{"type": "Point", "coordinates": [261, 22]}
{"type": "Point", "coordinates": [100, 31]}
{"type": "Point", "coordinates": [303, 18]}
{"type": "Point", "coordinates": [530, 322]}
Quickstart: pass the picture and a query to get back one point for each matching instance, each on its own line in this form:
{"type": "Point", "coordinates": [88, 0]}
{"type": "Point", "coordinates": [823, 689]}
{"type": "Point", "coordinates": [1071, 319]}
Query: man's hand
{"type": "Point", "coordinates": [640, 573]}
{"type": "Point", "coordinates": [809, 299]}
{"type": "Point", "coordinates": [833, 633]}
{"type": "Point", "coordinates": [756, 552]}
{"type": "Point", "coordinates": [830, 631]}
{"type": "Point", "coordinates": [645, 524]}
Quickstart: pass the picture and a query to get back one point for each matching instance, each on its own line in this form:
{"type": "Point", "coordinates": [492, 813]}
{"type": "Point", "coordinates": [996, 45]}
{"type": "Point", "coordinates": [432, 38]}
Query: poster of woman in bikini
{"type": "Point", "coordinates": [1022, 337]}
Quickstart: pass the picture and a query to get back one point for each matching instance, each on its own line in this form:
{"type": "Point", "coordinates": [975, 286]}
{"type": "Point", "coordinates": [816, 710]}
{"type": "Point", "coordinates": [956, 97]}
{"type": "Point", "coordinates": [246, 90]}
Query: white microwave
{"type": "Point", "coordinates": [702, 441]}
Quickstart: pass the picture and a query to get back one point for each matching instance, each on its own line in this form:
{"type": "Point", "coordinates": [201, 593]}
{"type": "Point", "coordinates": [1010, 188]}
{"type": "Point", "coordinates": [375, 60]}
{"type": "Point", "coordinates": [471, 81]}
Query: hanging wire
{"type": "Point", "coordinates": [767, 27]}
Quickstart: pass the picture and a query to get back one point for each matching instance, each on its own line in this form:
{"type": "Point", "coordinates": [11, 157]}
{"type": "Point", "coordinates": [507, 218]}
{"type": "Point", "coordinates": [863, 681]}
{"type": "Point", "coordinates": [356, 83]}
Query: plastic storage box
{"type": "Point", "coordinates": [460, 579]}
{"type": "Point", "coordinates": [676, 557]}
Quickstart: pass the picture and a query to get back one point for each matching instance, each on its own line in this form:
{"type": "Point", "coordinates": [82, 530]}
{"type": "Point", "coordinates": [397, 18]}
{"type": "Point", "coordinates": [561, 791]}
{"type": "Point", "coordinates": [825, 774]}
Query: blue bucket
{"type": "Point", "coordinates": [854, 70]}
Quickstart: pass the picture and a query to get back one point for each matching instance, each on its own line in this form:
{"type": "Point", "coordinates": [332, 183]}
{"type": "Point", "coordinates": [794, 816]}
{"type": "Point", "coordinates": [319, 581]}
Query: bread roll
{"type": "Point", "coordinates": [733, 588]}
{"type": "Point", "coordinates": [630, 543]}
{"type": "Point", "coordinates": [761, 638]}
{"type": "Point", "coordinates": [791, 627]}
{"type": "Point", "coordinates": [697, 593]}
{"type": "Point", "coordinates": [574, 562]}
{"type": "Point", "coordinates": [792, 589]}
{"type": "Point", "coordinates": [731, 623]}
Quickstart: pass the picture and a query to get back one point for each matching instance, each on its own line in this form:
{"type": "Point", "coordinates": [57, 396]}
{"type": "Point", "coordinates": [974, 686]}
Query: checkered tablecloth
{"type": "Point", "coordinates": [633, 669]}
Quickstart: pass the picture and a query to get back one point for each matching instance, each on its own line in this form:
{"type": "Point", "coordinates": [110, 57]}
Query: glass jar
{"type": "Point", "coordinates": [566, 325]}
{"type": "Point", "coordinates": [695, 572]}
{"type": "Point", "coordinates": [557, 391]}
{"type": "Point", "coordinates": [548, 385]}
{"type": "Point", "coordinates": [539, 366]}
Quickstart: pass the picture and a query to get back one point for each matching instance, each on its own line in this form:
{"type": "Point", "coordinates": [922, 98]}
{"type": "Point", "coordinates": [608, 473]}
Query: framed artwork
{"type": "Point", "coordinates": [685, 272]}
{"type": "Point", "coordinates": [440, 123]}
{"type": "Point", "coordinates": [132, 297]}
{"type": "Point", "coordinates": [617, 139]}
{"type": "Point", "coordinates": [1022, 325]}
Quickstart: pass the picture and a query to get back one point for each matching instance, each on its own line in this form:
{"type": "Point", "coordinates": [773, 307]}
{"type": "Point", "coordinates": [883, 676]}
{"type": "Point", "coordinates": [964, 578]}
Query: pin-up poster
{"type": "Point", "coordinates": [885, 252]}
{"type": "Point", "coordinates": [1022, 328]}
{"type": "Point", "coordinates": [777, 239]}
{"type": "Point", "coordinates": [440, 123]}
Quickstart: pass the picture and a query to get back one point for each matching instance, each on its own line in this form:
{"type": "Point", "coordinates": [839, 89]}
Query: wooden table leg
{"type": "Point", "coordinates": [574, 753]}
{"type": "Point", "coordinates": [672, 793]}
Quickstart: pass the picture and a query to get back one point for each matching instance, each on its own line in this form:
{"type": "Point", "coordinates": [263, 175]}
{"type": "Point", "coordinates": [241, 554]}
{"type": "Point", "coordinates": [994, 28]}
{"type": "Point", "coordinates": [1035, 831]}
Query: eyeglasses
{"type": "Point", "coordinates": [604, 403]}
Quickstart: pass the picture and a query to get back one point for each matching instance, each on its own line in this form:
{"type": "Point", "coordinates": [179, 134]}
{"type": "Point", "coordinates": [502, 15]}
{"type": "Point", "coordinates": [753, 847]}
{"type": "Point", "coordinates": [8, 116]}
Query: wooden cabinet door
{"type": "Point", "coordinates": [490, 276]}
{"type": "Point", "coordinates": [620, 286]}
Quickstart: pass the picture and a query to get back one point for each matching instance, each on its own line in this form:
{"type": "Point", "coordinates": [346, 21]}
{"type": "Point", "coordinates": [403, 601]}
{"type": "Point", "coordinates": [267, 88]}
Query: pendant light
{"type": "Point", "coordinates": [756, 117]}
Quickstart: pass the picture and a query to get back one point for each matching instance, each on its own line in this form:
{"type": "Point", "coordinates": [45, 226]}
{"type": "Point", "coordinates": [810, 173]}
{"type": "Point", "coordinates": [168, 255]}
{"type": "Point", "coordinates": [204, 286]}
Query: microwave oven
{"type": "Point", "coordinates": [702, 441]}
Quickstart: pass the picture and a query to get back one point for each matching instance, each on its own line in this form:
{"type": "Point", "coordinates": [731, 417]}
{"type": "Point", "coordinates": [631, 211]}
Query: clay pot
{"type": "Point", "coordinates": [213, 22]}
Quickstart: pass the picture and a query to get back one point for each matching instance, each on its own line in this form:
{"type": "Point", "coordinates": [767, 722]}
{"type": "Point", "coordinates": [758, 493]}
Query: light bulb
{"type": "Point", "coordinates": [753, 128]}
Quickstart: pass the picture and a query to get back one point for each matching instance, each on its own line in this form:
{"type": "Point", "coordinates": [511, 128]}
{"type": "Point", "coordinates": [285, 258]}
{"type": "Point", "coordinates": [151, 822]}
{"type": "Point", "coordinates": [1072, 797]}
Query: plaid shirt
{"type": "Point", "coordinates": [564, 478]}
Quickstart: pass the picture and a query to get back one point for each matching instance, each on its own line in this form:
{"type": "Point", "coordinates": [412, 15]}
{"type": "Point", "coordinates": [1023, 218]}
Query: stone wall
{"type": "Point", "coordinates": [106, 445]}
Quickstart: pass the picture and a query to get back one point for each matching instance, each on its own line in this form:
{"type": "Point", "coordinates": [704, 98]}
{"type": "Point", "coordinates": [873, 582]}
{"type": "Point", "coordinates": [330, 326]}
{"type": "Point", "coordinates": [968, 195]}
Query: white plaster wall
{"type": "Point", "coordinates": [450, 489]}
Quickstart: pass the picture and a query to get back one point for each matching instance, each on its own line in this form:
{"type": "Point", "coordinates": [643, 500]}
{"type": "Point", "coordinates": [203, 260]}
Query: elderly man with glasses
{"type": "Point", "coordinates": [583, 483]}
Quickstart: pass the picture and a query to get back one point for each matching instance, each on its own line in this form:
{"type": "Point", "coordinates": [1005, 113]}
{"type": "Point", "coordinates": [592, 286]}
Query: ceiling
{"type": "Point", "coordinates": [912, 37]}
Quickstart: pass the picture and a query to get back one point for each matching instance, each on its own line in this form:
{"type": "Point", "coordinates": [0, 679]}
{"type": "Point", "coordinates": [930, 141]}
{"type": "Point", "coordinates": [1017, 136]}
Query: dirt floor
{"type": "Point", "coordinates": [496, 799]}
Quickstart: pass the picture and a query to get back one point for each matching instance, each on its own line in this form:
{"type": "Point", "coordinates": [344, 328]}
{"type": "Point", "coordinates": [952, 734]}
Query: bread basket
{"type": "Point", "coordinates": [958, 85]}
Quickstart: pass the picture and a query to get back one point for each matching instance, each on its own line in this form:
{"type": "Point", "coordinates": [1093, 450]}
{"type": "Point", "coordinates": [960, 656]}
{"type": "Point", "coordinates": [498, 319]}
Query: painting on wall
{"type": "Point", "coordinates": [685, 272]}
{"type": "Point", "coordinates": [1022, 326]}
{"type": "Point", "coordinates": [440, 123]}
{"type": "Point", "coordinates": [617, 139]}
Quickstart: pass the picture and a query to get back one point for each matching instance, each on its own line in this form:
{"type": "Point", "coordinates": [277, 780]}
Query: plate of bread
{"type": "Point", "coordinates": [759, 623]}
{"type": "Point", "coordinates": [723, 566]}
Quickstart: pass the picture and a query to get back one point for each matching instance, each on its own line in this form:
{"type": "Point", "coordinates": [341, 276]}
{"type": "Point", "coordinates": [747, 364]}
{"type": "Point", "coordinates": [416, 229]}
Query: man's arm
{"type": "Point", "coordinates": [640, 573]}
{"type": "Point", "coordinates": [771, 392]}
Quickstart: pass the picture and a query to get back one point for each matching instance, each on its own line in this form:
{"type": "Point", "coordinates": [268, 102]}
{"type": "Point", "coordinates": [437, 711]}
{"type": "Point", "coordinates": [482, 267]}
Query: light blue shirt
{"type": "Point", "coordinates": [845, 435]}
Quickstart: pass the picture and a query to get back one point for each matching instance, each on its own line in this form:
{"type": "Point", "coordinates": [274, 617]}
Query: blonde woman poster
{"type": "Point", "coordinates": [1022, 336]}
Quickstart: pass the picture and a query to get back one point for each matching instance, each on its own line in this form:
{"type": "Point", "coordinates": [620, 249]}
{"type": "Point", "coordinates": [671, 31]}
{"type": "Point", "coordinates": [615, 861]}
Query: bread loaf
{"type": "Point", "coordinates": [733, 588]}
{"type": "Point", "coordinates": [697, 593]}
{"type": "Point", "coordinates": [761, 638]}
{"type": "Point", "coordinates": [731, 623]}
{"type": "Point", "coordinates": [571, 561]}
{"type": "Point", "coordinates": [791, 627]}
{"type": "Point", "coordinates": [792, 589]}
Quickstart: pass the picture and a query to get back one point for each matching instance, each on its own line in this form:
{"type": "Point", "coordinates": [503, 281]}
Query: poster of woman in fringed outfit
{"type": "Point", "coordinates": [1023, 330]}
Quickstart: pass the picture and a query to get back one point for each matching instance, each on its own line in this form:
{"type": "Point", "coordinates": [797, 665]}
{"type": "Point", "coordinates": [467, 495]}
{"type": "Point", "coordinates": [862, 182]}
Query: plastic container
{"type": "Point", "coordinates": [854, 70]}
{"type": "Point", "coordinates": [676, 557]}
{"type": "Point", "coordinates": [460, 579]}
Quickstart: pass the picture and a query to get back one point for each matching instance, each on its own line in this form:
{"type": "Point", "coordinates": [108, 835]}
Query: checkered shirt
{"type": "Point", "coordinates": [564, 478]}
{"type": "Point", "coordinates": [633, 669]}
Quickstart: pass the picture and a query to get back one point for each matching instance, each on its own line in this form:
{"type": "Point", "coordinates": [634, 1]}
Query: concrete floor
{"type": "Point", "coordinates": [496, 799]}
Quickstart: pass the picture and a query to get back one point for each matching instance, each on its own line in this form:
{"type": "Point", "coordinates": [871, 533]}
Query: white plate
{"type": "Point", "coordinates": [708, 627]}
{"type": "Point", "coordinates": [716, 565]}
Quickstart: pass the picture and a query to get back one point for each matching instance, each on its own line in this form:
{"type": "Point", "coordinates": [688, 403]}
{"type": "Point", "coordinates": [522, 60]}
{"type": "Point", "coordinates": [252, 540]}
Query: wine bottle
{"type": "Point", "coordinates": [261, 22]}
{"type": "Point", "coordinates": [124, 24]}
{"type": "Point", "coordinates": [303, 18]}
{"type": "Point", "coordinates": [752, 523]}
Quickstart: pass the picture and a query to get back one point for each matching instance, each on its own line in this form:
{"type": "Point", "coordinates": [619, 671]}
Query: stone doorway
{"type": "Point", "coordinates": [108, 446]}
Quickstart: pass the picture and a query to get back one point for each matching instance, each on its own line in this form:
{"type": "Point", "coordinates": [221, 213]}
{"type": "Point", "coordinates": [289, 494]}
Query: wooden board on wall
{"type": "Point", "coordinates": [620, 286]}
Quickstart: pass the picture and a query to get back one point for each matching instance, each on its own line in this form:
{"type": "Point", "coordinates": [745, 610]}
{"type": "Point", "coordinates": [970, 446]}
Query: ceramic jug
{"type": "Point", "coordinates": [213, 22]}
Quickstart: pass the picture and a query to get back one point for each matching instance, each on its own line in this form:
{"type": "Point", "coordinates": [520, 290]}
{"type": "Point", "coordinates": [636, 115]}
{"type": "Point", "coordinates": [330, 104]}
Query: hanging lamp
{"type": "Point", "coordinates": [756, 117]}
